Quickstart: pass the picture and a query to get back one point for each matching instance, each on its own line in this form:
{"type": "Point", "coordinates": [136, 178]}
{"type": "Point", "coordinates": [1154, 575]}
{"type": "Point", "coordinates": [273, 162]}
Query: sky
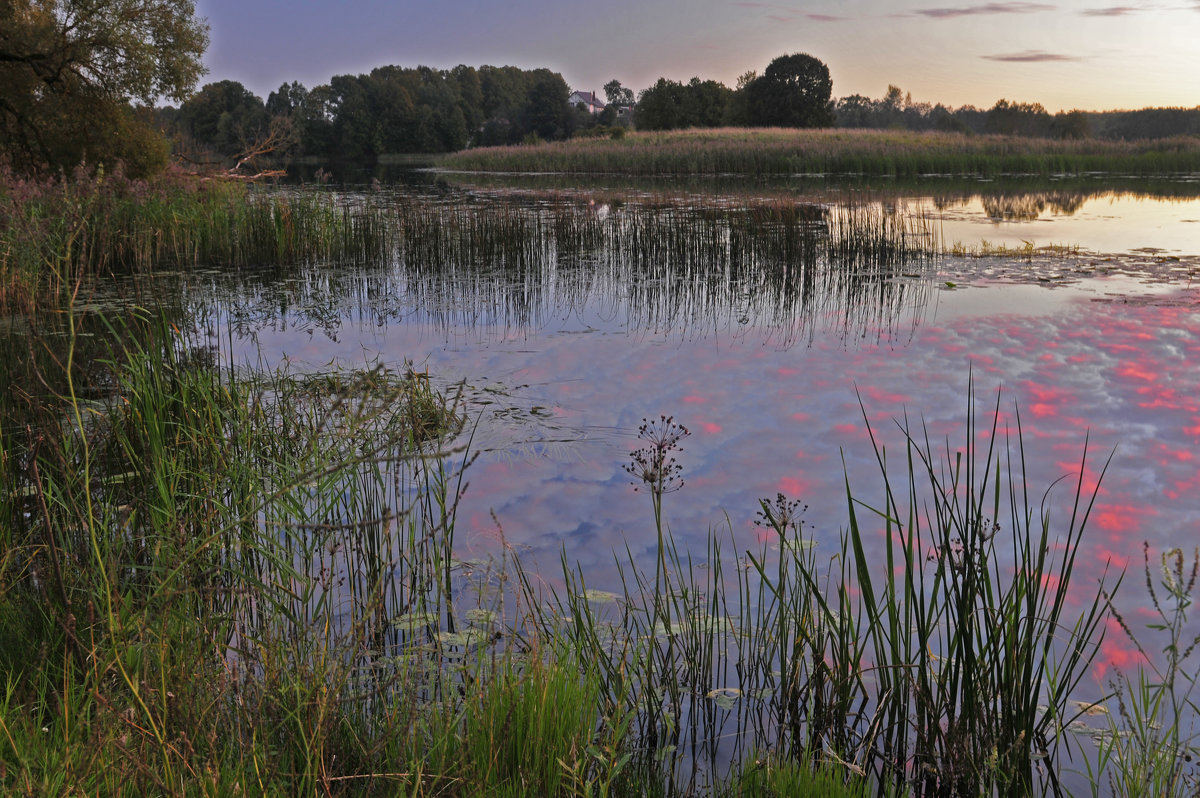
{"type": "Point", "coordinates": [1064, 54]}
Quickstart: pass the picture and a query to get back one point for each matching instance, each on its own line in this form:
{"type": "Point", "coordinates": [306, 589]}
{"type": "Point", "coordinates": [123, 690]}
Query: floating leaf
{"type": "Point", "coordinates": [796, 544]}
{"type": "Point", "coordinates": [415, 620]}
{"type": "Point", "coordinates": [599, 596]}
{"type": "Point", "coordinates": [480, 617]}
{"type": "Point", "coordinates": [725, 697]}
{"type": "Point", "coordinates": [1090, 709]}
{"type": "Point", "coordinates": [465, 638]}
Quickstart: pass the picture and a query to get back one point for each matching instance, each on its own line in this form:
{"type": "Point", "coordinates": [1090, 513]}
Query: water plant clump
{"type": "Point", "coordinates": [1151, 743]}
{"type": "Point", "coordinates": [944, 667]}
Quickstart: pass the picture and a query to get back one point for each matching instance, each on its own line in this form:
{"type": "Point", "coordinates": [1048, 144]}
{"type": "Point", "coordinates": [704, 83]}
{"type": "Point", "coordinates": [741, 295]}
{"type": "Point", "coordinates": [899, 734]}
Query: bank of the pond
{"type": "Point", "coordinates": [774, 151]}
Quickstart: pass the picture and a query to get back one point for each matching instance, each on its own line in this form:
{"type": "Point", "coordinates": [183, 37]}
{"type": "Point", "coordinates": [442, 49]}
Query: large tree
{"type": "Point", "coordinates": [70, 71]}
{"type": "Point", "coordinates": [794, 91]}
{"type": "Point", "coordinates": [225, 116]}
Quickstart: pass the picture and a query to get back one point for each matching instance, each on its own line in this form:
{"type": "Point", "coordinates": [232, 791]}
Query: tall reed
{"type": "Point", "coordinates": [1152, 744]}
{"type": "Point", "coordinates": [941, 665]}
{"type": "Point", "coordinates": [763, 151]}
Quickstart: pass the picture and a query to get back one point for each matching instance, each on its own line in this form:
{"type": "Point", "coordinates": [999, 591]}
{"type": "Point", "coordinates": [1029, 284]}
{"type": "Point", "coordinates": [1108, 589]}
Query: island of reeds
{"type": "Point", "coordinates": [788, 151]}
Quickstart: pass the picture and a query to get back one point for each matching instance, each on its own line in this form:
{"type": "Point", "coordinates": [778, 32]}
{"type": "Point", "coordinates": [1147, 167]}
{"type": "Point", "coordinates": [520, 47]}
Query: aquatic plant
{"type": "Point", "coordinates": [1150, 746]}
{"type": "Point", "coordinates": [940, 666]}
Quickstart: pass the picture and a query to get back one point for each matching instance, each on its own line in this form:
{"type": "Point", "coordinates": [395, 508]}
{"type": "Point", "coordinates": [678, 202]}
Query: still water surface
{"type": "Point", "coordinates": [1098, 350]}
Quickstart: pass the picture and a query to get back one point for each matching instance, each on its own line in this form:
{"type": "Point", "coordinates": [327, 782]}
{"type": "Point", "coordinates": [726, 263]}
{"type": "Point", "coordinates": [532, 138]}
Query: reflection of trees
{"type": "Point", "coordinates": [1029, 207]}
{"type": "Point", "coordinates": [779, 269]}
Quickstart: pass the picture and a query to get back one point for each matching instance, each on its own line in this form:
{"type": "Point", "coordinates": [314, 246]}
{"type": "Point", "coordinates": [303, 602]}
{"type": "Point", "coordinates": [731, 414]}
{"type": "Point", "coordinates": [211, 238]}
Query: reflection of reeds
{"type": "Point", "coordinates": [796, 152]}
{"type": "Point", "coordinates": [784, 268]}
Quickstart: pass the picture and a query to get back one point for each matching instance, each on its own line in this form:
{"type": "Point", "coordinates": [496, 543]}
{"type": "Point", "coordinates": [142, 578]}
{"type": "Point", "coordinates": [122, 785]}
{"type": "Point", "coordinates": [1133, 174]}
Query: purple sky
{"type": "Point", "coordinates": [1064, 54]}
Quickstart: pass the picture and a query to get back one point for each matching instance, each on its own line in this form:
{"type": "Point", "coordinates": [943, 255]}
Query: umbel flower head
{"type": "Point", "coordinates": [654, 464]}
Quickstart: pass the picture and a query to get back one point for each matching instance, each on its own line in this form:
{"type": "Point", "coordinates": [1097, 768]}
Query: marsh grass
{"type": "Point", "coordinates": [58, 235]}
{"type": "Point", "coordinates": [55, 234]}
{"type": "Point", "coordinates": [763, 151]}
{"type": "Point", "coordinates": [941, 666]}
{"type": "Point", "coordinates": [249, 582]}
{"type": "Point", "coordinates": [1150, 746]}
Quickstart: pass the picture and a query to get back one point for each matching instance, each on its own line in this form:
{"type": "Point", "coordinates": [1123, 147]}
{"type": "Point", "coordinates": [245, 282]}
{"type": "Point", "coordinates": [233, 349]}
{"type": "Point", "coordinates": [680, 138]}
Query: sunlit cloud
{"type": "Point", "coordinates": [985, 8]}
{"type": "Point", "coordinates": [1112, 11]}
{"type": "Point", "coordinates": [1030, 57]}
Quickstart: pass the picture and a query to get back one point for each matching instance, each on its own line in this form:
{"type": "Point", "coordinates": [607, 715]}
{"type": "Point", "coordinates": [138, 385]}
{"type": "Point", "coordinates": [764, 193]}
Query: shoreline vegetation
{"type": "Point", "coordinates": [222, 582]}
{"type": "Point", "coordinates": [781, 151]}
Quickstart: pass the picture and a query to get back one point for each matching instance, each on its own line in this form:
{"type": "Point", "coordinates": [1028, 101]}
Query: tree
{"type": "Point", "coordinates": [225, 116]}
{"type": "Point", "coordinates": [1017, 119]}
{"type": "Point", "coordinates": [662, 106]}
{"type": "Point", "coordinates": [1071, 125]}
{"type": "Point", "coordinates": [618, 95]}
{"type": "Point", "coordinates": [547, 112]}
{"type": "Point", "coordinates": [794, 91]}
{"type": "Point", "coordinates": [668, 105]}
{"type": "Point", "coordinates": [71, 69]}
{"type": "Point", "coordinates": [288, 100]}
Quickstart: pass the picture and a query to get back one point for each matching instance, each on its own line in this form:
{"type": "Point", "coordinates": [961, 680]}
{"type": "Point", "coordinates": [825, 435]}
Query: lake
{"type": "Point", "coordinates": [1083, 322]}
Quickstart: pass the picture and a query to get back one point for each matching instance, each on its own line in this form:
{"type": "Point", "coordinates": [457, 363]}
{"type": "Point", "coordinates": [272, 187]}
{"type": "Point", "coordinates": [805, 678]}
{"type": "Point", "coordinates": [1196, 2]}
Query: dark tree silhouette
{"type": "Point", "coordinates": [794, 91]}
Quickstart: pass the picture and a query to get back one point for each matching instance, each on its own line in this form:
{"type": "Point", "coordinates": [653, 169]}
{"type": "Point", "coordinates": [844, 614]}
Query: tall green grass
{"type": "Point", "coordinates": [56, 233]}
{"type": "Point", "coordinates": [1151, 744]}
{"type": "Point", "coordinates": [934, 651]}
{"type": "Point", "coordinates": [798, 152]}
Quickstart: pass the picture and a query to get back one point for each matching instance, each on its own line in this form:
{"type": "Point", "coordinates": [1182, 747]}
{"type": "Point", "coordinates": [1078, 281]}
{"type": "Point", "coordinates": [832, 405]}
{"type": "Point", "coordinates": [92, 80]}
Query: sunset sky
{"type": "Point", "coordinates": [1065, 54]}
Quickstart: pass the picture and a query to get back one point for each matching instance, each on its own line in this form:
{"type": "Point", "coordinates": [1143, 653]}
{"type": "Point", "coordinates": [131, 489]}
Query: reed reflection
{"type": "Point", "coordinates": [778, 269]}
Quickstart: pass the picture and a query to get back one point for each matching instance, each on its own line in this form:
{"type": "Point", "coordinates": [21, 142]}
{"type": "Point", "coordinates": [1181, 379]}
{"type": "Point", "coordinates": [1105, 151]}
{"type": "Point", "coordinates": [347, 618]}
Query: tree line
{"type": "Point", "coordinates": [390, 110]}
{"type": "Point", "coordinates": [423, 110]}
{"type": "Point", "coordinates": [897, 110]}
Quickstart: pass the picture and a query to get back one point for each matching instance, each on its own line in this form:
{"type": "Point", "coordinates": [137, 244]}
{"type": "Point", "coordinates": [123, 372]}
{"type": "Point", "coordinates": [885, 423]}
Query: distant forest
{"type": "Point", "coordinates": [395, 110]}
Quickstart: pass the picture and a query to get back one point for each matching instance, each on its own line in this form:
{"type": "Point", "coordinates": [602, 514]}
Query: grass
{"type": "Point", "coordinates": [1151, 744]}
{"type": "Point", "coordinates": [56, 233]}
{"type": "Point", "coordinates": [945, 669]}
{"type": "Point", "coordinates": [750, 151]}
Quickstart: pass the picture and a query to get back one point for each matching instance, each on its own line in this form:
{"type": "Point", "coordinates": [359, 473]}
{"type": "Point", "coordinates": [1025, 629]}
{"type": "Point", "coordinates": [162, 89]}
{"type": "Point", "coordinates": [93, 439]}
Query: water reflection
{"type": "Point", "coordinates": [495, 271]}
{"type": "Point", "coordinates": [575, 325]}
{"type": "Point", "coordinates": [1027, 207]}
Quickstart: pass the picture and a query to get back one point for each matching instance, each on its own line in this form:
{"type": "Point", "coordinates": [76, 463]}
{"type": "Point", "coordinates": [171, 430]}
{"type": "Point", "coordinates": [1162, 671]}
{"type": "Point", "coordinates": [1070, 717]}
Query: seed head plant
{"type": "Point", "coordinates": [654, 465]}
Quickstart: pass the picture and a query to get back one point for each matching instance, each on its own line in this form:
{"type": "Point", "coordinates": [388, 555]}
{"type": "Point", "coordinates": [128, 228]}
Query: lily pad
{"type": "Point", "coordinates": [599, 596]}
{"type": "Point", "coordinates": [480, 617]}
{"type": "Point", "coordinates": [725, 697]}
{"type": "Point", "coordinates": [465, 638]}
{"type": "Point", "coordinates": [415, 620]}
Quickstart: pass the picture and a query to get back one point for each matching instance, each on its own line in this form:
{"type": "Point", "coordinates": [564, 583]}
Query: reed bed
{"type": "Point", "coordinates": [55, 234]}
{"type": "Point", "coordinates": [945, 669]}
{"type": "Point", "coordinates": [748, 151]}
{"type": "Point", "coordinates": [61, 235]}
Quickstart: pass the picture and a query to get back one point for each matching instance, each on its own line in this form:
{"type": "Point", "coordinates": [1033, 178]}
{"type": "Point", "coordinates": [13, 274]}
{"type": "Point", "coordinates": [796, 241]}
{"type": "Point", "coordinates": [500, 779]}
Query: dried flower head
{"type": "Point", "coordinates": [782, 514]}
{"type": "Point", "coordinates": [654, 464]}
